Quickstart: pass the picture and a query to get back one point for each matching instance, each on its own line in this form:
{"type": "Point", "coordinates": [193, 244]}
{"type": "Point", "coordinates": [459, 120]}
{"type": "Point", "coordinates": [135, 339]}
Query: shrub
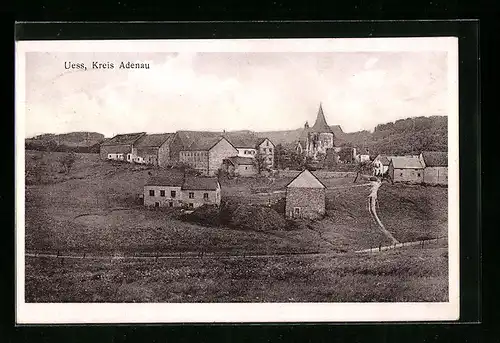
{"type": "Point", "coordinates": [258, 218]}
{"type": "Point", "coordinates": [205, 214]}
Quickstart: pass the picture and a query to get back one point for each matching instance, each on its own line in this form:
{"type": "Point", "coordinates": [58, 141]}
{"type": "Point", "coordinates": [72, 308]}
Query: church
{"type": "Point", "coordinates": [316, 139]}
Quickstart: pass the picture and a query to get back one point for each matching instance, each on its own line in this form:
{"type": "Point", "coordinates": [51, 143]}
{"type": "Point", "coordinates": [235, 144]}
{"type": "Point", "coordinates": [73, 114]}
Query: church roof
{"type": "Point", "coordinates": [320, 125]}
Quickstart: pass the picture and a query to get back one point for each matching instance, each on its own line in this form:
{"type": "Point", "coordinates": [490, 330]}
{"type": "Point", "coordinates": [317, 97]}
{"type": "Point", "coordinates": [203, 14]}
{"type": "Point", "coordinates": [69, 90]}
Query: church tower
{"type": "Point", "coordinates": [320, 136]}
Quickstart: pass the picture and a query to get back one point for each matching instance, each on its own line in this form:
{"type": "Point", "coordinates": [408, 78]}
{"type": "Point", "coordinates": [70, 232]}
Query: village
{"type": "Point", "coordinates": [190, 162]}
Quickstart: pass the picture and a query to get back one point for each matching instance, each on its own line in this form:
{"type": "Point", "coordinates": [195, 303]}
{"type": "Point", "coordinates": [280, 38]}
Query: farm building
{"type": "Point", "coordinates": [248, 145]}
{"type": "Point", "coordinates": [362, 155]}
{"type": "Point", "coordinates": [120, 147]}
{"type": "Point", "coordinates": [240, 166]}
{"type": "Point", "coordinates": [435, 167]}
{"type": "Point", "coordinates": [207, 153]}
{"type": "Point", "coordinates": [305, 197]}
{"type": "Point", "coordinates": [406, 169]}
{"type": "Point", "coordinates": [176, 190]}
{"type": "Point", "coordinates": [154, 149]}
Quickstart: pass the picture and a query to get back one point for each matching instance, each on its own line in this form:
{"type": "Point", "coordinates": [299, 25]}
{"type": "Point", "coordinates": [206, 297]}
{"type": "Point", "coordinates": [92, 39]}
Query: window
{"type": "Point", "coordinates": [246, 168]}
{"type": "Point", "coordinates": [271, 150]}
{"type": "Point", "coordinates": [172, 194]}
{"type": "Point", "coordinates": [400, 174]}
{"type": "Point", "coordinates": [151, 193]}
{"type": "Point", "coordinates": [205, 196]}
{"type": "Point", "coordinates": [157, 204]}
{"type": "Point", "coordinates": [170, 204]}
{"type": "Point", "coordinates": [162, 193]}
{"type": "Point", "coordinates": [267, 143]}
{"type": "Point", "coordinates": [191, 195]}
{"type": "Point", "coordinates": [109, 155]}
{"type": "Point", "coordinates": [190, 205]}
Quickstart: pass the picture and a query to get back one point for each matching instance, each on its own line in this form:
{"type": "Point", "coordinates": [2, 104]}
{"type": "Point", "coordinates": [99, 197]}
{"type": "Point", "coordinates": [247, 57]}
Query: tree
{"type": "Point", "coordinates": [259, 161]}
{"type": "Point", "coordinates": [346, 154]}
{"type": "Point", "coordinates": [363, 167]}
{"type": "Point", "coordinates": [279, 156]}
{"type": "Point", "coordinates": [67, 161]}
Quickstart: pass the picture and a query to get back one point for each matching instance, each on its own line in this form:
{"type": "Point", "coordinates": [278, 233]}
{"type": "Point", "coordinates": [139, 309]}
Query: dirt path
{"type": "Point", "coordinates": [372, 207]}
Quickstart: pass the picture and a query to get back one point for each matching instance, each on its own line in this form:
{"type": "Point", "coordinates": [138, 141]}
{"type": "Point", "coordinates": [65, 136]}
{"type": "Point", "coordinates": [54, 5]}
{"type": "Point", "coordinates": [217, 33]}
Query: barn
{"type": "Point", "coordinates": [305, 197]}
{"type": "Point", "coordinates": [240, 166]}
{"type": "Point", "coordinates": [436, 167]}
{"type": "Point", "coordinates": [120, 147]}
{"type": "Point", "coordinates": [406, 169]}
{"type": "Point", "coordinates": [154, 149]}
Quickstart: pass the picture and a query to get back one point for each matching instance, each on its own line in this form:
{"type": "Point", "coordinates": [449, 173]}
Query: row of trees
{"type": "Point", "coordinates": [52, 146]}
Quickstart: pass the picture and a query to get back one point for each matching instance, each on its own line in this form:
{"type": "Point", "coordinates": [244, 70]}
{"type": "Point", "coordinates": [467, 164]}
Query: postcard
{"type": "Point", "coordinates": [245, 180]}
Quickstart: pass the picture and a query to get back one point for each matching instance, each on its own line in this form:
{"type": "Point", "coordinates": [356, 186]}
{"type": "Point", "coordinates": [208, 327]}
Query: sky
{"type": "Point", "coordinates": [215, 91]}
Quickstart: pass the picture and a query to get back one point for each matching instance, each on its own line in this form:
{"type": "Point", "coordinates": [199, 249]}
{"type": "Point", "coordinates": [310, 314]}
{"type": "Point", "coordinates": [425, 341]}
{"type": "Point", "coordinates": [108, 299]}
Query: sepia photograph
{"type": "Point", "coordinates": [237, 180]}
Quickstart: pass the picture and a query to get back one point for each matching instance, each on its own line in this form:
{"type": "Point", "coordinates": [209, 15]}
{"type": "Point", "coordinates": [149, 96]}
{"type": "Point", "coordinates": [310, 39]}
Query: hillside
{"type": "Point", "coordinates": [73, 141]}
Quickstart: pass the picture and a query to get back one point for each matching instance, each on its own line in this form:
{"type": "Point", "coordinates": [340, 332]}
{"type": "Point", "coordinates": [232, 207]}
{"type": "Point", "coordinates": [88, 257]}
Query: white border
{"type": "Point", "coordinates": [69, 313]}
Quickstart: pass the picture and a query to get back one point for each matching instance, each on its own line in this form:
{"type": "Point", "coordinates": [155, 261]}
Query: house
{"type": "Point", "coordinates": [176, 190]}
{"type": "Point", "coordinates": [305, 197]}
{"type": "Point", "coordinates": [198, 191]}
{"type": "Point", "coordinates": [120, 147]}
{"type": "Point", "coordinates": [240, 166]}
{"type": "Point", "coordinates": [154, 149]}
{"type": "Point", "coordinates": [164, 191]}
{"type": "Point", "coordinates": [316, 139]}
{"type": "Point", "coordinates": [249, 145]}
{"type": "Point", "coordinates": [406, 169]}
{"type": "Point", "coordinates": [362, 155]}
{"type": "Point", "coordinates": [435, 167]}
{"type": "Point", "coordinates": [207, 153]}
{"type": "Point", "coordinates": [381, 163]}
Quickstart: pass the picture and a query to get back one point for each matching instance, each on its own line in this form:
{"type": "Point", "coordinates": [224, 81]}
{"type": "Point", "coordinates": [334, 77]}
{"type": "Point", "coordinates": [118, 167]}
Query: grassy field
{"type": "Point", "coordinates": [409, 274]}
{"type": "Point", "coordinates": [95, 209]}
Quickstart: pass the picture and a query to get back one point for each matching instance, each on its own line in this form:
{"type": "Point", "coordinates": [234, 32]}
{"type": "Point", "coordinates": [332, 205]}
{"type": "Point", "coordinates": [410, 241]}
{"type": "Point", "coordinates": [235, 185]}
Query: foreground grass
{"type": "Point", "coordinates": [404, 275]}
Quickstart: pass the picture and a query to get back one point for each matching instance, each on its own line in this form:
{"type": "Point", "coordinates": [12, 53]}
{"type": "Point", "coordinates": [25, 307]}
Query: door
{"type": "Point", "coordinates": [157, 204]}
{"type": "Point", "coordinates": [296, 212]}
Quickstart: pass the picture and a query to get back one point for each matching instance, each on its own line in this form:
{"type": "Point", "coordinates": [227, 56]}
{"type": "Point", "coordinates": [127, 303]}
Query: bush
{"type": "Point", "coordinates": [258, 218]}
{"type": "Point", "coordinates": [205, 214]}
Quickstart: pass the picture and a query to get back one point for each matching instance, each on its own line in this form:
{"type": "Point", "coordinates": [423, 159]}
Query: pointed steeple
{"type": "Point", "coordinates": [320, 125]}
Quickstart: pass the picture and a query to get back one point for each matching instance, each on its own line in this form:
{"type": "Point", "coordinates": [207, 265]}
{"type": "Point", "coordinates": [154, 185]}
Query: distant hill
{"type": "Point", "coordinates": [73, 141]}
{"type": "Point", "coordinates": [290, 137]}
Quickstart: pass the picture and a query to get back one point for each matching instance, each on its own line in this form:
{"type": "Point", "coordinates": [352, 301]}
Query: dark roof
{"type": "Point", "coordinates": [153, 140]}
{"type": "Point", "coordinates": [320, 125]}
{"type": "Point", "coordinates": [242, 139]}
{"type": "Point", "coordinates": [385, 160]}
{"type": "Point", "coordinates": [198, 140]}
{"type": "Point", "coordinates": [127, 138]}
{"type": "Point", "coordinates": [261, 140]}
{"type": "Point", "coordinates": [240, 160]}
{"type": "Point", "coordinates": [404, 162]}
{"type": "Point", "coordinates": [173, 180]}
{"type": "Point", "coordinates": [118, 149]}
{"type": "Point", "coordinates": [435, 158]}
{"type": "Point", "coordinates": [201, 183]}
{"type": "Point", "coordinates": [337, 129]}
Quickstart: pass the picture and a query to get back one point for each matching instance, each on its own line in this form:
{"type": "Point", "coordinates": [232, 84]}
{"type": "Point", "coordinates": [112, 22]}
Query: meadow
{"type": "Point", "coordinates": [96, 209]}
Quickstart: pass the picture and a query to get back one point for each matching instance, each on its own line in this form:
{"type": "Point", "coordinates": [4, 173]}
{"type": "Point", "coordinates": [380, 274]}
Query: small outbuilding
{"type": "Point", "coordinates": [406, 169]}
{"type": "Point", "coordinates": [240, 166]}
{"type": "Point", "coordinates": [305, 197]}
{"type": "Point", "coordinates": [436, 167]}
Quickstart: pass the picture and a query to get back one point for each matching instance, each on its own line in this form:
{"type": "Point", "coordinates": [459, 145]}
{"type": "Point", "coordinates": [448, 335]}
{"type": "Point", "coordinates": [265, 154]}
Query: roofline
{"type": "Point", "coordinates": [301, 173]}
{"type": "Point", "coordinates": [141, 134]}
{"type": "Point", "coordinates": [170, 136]}
{"type": "Point", "coordinates": [222, 138]}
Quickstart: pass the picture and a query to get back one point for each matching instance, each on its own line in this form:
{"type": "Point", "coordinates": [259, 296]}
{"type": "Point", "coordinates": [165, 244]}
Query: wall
{"type": "Point", "coordinates": [266, 148]}
{"type": "Point", "coordinates": [164, 201]}
{"type": "Point", "coordinates": [164, 154]}
{"type": "Point", "coordinates": [408, 175]}
{"type": "Point", "coordinates": [175, 147]}
{"type": "Point", "coordinates": [310, 200]}
{"type": "Point", "coordinates": [197, 201]}
{"type": "Point", "coordinates": [436, 175]}
{"type": "Point", "coordinates": [197, 160]}
{"type": "Point", "coordinates": [250, 152]}
{"type": "Point", "coordinates": [111, 149]}
{"type": "Point", "coordinates": [223, 149]}
{"type": "Point", "coordinates": [249, 171]}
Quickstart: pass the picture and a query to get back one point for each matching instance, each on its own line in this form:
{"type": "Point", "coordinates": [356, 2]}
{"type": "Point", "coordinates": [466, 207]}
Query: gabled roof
{"type": "Point", "coordinates": [127, 138]}
{"type": "Point", "coordinates": [198, 140]}
{"type": "Point", "coordinates": [403, 162]}
{"type": "Point", "coordinates": [172, 180]}
{"type": "Point", "coordinates": [201, 183]}
{"type": "Point", "coordinates": [320, 125]}
{"type": "Point", "coordinates": [242, 139]}
{"type": "Point", "coordinates": [153, 140]}
{"type": "Point", "coordinates": [435, 158]}
{"type": "Point", "coordinates": [306, 179]}
{"type": "Point", "coordinates": [240, 160]}
{"type": "Point", "coordinates": [262, 140]}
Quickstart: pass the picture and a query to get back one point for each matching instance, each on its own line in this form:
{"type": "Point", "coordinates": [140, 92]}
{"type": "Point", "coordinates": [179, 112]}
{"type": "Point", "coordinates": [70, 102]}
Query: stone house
{"type": "Point", "coordinates": [120, 147]}
{"type": "Point", "coordinates": [207, 153]}
{"type": "Point", "coordinates": [305, 197]}
{"type": "Point", "coordinates": [406, 169]}
{"type": "Point", "coordinates": [380, 164]}
{"type": "Point", "coordinates": [164, 191]}
{"type": "Point", "coordinates": [176, 190]}
{"type": "Point", "coordinates": [240, 166]}
{"type": "Point", "coordinates": [435, 167]}
{"type": "Point", "coordinates": [154, 149]}
{"type": "Point", "coordinates": [266, 149]}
